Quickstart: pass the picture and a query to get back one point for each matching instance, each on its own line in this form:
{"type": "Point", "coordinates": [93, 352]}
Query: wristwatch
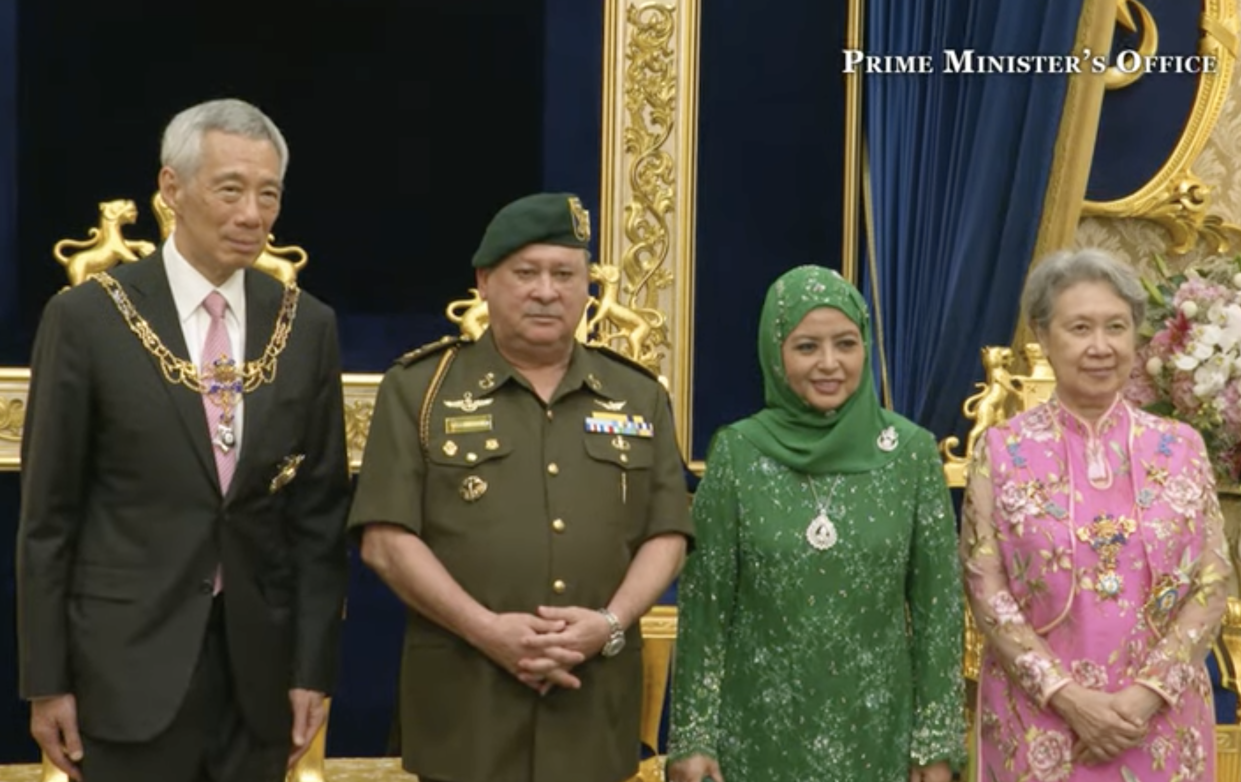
{"type": "Point", "coordinates": [616, 641]}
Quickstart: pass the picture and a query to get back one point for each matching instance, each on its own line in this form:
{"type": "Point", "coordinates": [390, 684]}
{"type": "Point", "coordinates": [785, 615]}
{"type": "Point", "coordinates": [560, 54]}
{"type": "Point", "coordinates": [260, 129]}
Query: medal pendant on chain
{"type": "Point", "coordinates": [224, 438]}
{"type": "Point", "coordinates": [821, 534]}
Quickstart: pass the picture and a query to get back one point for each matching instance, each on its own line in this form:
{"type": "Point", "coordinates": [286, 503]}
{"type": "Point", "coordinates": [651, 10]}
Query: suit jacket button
{"type": "Point", "coordinates": [206, 586]}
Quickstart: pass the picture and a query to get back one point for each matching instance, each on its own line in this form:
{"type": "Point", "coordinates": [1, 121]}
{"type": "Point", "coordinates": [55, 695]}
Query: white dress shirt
{"type": "Point", "coordinates": [189, 290]}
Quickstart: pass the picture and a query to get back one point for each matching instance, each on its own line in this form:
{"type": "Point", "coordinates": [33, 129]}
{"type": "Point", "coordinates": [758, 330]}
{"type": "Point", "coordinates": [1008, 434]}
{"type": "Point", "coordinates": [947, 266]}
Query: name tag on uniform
{"type": "Point", "coordinates": [464, 424]}
{"type": "Point", "coordinates": [619, 423]}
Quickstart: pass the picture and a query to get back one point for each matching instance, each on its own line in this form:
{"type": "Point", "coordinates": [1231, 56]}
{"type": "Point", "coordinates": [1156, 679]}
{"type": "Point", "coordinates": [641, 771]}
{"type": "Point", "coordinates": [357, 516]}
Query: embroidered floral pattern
{"type": "Point", "coordinates": [1019, 501]}
{"type": "Point", "coordinates": [1089, 673]}
{"type": "Point", "coordinates": [1160, 749]}
{"type": "Point", "coordinates": [1039, 425]}
{"type": "Point", "coordinates": [1191, 756]}
{"type": "Point", "coordinates": [1184, 495]}
{"type": "Point", "coordinates": [1050, 755]}
{"type": "Point", "coordinates": [1006, 609]}
{"type": "Point", "coordinates": [787, 656]}
{"type": "Point", "coordinates": [1033, 672]}
{"type": "Point", "coordinates": [1177, 679]}
{"type": "Point", "coordinates": [1132, 600]}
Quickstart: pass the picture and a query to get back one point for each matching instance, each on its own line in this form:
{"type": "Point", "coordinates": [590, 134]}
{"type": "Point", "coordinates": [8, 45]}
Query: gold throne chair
{"type": "Point", "coordinates": [1005, 392]}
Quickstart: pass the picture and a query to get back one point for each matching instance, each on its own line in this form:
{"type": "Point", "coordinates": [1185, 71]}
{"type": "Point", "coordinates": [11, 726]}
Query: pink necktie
{"type": "Point", "coordinates": [219, 421]}
{"type": "Point", "coordinates": [217, 347]}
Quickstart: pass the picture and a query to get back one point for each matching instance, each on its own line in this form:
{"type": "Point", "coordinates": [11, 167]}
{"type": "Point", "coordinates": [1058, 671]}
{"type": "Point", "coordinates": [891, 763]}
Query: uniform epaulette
{"type": "Point", "coordinates": [617, 356]}
{"type": "Point", "coordinates": [430, 349]}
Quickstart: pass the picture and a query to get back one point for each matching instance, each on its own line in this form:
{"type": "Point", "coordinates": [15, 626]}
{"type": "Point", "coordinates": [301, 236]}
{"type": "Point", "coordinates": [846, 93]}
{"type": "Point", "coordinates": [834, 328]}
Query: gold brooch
{"type": "Point", "coordinates": [288, 471]}
{"type": "Point", "coordinates": [473, 488]}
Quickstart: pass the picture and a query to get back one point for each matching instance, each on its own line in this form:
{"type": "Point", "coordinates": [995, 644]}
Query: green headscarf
{"type": "Point", "coordinates": [789, 430]}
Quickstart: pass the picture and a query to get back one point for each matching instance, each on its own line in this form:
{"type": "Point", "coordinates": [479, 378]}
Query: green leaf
{"type": "Point", "coordinates": [1153, 292]}
{"type": "Point", "coordinates": [1161, 264]}
{"type": "Point", "coordinates": [1162, 407]}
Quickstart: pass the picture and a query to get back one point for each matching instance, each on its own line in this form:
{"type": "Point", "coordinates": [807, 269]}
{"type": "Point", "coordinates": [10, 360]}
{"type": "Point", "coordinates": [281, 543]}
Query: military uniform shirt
{"type": "Point", "coordinates": [525, 503]}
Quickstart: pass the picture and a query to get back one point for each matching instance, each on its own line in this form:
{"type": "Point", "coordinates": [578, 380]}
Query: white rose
{"type": "Point", "coordinates": [1154, 365]}
{"type": "Point", "coordinates": [1236, 279]}
{"type": "Point", "coordinates": [1189, 309]}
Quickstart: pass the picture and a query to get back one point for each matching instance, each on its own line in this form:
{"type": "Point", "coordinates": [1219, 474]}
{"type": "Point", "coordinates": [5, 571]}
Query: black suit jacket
{"type": "Point", "coordinates": [122, 522]}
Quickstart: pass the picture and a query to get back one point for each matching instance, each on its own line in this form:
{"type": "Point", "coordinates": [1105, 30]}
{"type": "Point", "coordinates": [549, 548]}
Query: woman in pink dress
{"type": "Point", "coordinates": [1095, 560]}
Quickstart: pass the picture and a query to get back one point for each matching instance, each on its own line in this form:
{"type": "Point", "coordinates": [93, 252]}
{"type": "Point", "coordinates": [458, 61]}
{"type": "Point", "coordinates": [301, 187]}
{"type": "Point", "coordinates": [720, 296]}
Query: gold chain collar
{"type": "Point", "coordinates": [178, 371]}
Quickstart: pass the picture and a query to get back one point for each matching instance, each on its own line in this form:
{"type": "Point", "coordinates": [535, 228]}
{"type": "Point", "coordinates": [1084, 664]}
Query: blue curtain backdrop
{"type": "Point", "coordinates": [960, 165]}
{"type": "Point", "coordinates": [770, 182]}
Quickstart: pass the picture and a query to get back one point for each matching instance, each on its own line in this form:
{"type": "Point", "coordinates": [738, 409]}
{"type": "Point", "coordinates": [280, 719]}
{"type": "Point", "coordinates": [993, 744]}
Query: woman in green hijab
{"type": "Point", "coordinates": [820, 618]}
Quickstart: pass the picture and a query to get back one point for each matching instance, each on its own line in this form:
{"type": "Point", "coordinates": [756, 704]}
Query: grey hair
{"type": "Point", "coordinates": [181, 149]}
{"type": "Point", "coordinates": [1061, 270]}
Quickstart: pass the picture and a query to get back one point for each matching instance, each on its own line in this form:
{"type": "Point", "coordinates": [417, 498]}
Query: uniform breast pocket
{"type": "Point", "coordinates": [466, 466]}
{"type": "Point", "coordinates": [624, 465]}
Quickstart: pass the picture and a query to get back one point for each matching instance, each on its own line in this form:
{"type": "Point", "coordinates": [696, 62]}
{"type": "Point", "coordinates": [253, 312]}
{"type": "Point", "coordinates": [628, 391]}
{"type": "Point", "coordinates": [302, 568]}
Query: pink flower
{"type": "Point", "coordinates": [1016, 502]}
{"type": "Point", "coordinates": [1038, 425]}
{"type": "Point", "coordinates": [1006, 609]}
{"type": "Point", "coordinates": [1141, 389]}
{"type": "Point", "coordinates": [1230, 407]}
{"type": "Point", "coordinates": [1191, 754]}
{"type": "Point", "coordinates": [1089, 673]}
{"type": "Point", "coordinates": [1160, 749]}
{"type": "Point", "coordinates": [1179, 677]}
{"type": "Point", "coordinates": [1201, 292]}
{"type": "Point", "coordinates": [1183, 393]}
{"type": "Point", "coordinates": [1184, 495]}
{"type": "Point", "coordinates": [1032, 670]}
{"type": "Point", "coordinates": [1049, 755]}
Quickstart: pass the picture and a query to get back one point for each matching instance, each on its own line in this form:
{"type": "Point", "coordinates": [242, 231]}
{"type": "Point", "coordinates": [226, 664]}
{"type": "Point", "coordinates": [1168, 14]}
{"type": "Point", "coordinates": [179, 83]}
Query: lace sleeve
{"type": "Point", "coordinates": [1026, 657]}
{"type": "Point", "coordinates": [1171, 665]}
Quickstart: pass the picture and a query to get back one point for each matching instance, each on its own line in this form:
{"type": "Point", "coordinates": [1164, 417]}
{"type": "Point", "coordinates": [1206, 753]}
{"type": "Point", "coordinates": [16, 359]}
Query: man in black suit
{"type": "Point", "coordinates": [181, 564]}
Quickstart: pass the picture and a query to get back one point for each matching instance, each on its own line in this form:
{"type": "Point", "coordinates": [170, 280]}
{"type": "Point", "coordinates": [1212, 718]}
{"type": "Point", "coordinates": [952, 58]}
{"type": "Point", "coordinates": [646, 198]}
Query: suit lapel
{"type": "Point", "coordinates": [153, 300]}
{"type": "Point", "coordinates": [262, 307]}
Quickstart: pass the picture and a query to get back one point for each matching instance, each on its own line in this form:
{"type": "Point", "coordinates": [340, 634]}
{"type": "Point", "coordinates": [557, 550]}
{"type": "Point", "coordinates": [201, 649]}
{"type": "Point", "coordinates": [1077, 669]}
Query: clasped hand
{"type": "Point", "coordinates": [1106, 724]}
{"type": "Point", "coordinates": [542, 649]}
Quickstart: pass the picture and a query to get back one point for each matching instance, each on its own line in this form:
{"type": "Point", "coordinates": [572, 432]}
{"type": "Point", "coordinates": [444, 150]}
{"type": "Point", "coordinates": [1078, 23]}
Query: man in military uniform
{"type": "Point", "coordinates": [524, 496]}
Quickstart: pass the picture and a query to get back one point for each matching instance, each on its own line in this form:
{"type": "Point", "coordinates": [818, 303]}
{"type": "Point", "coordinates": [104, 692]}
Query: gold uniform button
{"type": "Point", "coordinates": [558, 587]}
{"type": "Point", "coordinates": [558, 525]}
{"type": "Point", "coordinates": [623, 457]}
{"type": "Point", "coordinates": [553, 469]}
{"type": "Point", "coordinates": [550, 415]}
{"type": "Point", "coordinates": [472, 457]}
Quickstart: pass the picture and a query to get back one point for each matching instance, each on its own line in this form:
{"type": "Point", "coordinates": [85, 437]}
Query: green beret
{"type": "Point", "coordinates": [543, 218]}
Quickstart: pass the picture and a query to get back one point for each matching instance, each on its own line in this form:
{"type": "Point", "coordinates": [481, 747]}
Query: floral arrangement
{"type": "Point", "coordinates": [1189, 365]}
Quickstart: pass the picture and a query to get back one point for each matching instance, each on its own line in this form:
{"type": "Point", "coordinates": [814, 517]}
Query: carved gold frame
{"type": "Point", "coordinates": [1175, 198]}
{"type": "Point", "coordinates": [649, 174]}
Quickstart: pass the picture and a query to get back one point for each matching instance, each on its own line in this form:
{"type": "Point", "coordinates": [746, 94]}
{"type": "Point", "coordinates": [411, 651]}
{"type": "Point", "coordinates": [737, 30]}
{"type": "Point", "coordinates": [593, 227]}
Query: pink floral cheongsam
{"type": "Point", "coordinates": [1095, 555]}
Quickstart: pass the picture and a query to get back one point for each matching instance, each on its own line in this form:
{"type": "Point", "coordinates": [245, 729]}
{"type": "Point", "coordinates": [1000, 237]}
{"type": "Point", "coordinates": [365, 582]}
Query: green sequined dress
{"type": "Point", "coordinates": [801, 663]}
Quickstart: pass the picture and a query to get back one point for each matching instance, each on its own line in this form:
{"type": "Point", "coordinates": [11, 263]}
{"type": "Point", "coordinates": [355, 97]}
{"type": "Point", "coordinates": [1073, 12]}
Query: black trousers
{"type": "Point", "coordinates": [207, 741]}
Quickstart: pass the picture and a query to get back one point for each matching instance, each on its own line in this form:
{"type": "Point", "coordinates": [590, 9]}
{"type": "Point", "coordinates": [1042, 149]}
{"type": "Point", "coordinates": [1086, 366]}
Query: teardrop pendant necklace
{"type": "Point", "coordinates": [821, 534]}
